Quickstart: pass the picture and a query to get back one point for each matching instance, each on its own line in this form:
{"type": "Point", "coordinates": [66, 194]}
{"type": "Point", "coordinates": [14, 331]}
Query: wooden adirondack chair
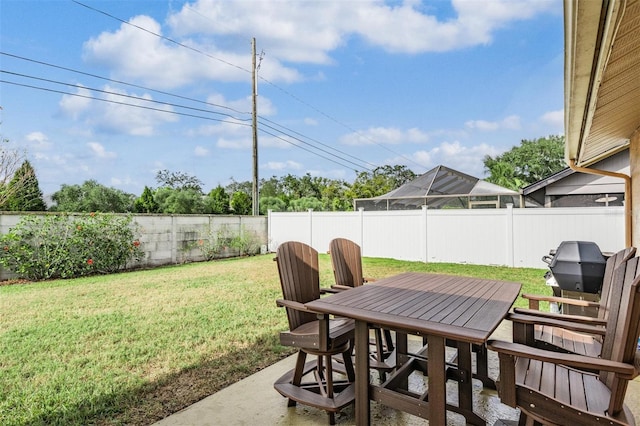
{"type": "Point", "coordinates": [346, 259]}
{"type": "Point", "coordinates": [312, 383]}
{"type": "Point", "coordinates": [570, 333]}
{"type": "Point", "coordinates": [554, 388]}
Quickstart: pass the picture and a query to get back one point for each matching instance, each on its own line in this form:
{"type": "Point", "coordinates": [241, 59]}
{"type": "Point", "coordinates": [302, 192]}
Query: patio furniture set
{"type": "Point", "coordinates": [559, 369]}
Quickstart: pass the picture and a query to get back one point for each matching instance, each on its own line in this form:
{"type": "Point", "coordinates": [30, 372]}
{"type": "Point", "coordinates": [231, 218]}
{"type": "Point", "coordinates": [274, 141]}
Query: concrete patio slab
{"type": "Point", "coordinates": [253, 401]}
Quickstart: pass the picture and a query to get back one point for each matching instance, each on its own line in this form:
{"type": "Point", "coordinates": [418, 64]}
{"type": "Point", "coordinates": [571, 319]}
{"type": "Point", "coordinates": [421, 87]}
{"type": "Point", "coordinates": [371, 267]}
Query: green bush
{"type": "Point", "coordinates": [214, 243]}
{"type": "Point", "coordinates": [67, 246]}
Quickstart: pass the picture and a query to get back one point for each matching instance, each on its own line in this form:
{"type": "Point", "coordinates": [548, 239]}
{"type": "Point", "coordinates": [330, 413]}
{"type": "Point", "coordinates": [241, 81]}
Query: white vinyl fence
{"type": "Point", "coordinates": [511, 236]}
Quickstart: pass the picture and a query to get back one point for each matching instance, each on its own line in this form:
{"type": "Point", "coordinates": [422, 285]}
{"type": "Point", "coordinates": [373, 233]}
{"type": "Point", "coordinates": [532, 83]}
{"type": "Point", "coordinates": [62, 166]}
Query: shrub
{"type": "Point", "coordinates": [246, 243]}
{"type": "Point", "coordinates": [67, 246]}
{"type": "Point", "coordinates": [214, 243]}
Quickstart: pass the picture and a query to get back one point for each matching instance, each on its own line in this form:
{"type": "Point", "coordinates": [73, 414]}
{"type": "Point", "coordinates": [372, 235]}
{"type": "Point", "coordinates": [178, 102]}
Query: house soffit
{"type": "Point", "coordinates": [613, 111]}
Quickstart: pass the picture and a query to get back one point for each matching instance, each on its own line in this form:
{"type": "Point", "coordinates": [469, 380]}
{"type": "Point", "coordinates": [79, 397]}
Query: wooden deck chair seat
{"type": "Point", "coordinates": [346, 259]}
{"type": "Point", "coordinates": [554, 388]}
{"type": "Point", "coordinates": [571, 333]}
{"type": "Point", "coordinates": [312, 383]}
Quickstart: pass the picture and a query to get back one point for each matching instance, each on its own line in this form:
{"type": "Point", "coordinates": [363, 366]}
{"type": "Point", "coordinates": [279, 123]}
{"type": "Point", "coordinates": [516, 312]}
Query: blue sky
{"type": "Point", "coordinates": [358, 83]}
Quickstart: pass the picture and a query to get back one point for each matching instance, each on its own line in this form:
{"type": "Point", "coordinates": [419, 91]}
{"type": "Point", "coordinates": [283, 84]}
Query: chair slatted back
{"type": "Point", "coordinates": [612, 263]}
{"type": "Point", "coordinates": [621, 280]}
{"type": "Point", "coordinates": [621, 338]}
{"type": "Point", "coordinates": [299, 278]}
{"type": "Point", "coordinates": [347, 262]}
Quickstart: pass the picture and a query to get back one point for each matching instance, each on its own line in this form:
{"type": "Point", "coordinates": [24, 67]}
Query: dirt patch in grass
{"type": "Point", "coordinates": [190, 386]}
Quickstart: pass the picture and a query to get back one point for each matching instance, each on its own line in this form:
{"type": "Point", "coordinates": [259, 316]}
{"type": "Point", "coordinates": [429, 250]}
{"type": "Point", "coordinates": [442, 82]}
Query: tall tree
{"type": "Point", "coordinates": [380, 181]}
{"type": "Point", "coordinates": [10, 161]}
{"type": "Point", "coordinates": [531, 161]}
{"type": "Point", "coordinates": [179, 201]}
{"type": "Point", "coordinates": [305, 203]}
{"type": "Point", "coordinates": [218, 201]}
{"type": "Point", "coordinates": [92, 197]}
{"type": "Point", "coordinates": [24, 191]}
{"type": "Point", "coordinates": [178, 180]}
{"type": "Point", "coordinates": [235, 186]}
{"type": "Point", "coordinates": [146, 203]}
{"type": "Point", "coordinates": [275, 204]}
{"type": "Point", "coordinates": [241, 203]}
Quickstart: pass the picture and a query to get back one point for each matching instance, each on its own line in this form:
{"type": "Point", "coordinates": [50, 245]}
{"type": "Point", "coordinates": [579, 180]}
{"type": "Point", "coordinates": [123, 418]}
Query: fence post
{"type": "Point", "coordinates": [361, 227]}
{"type": "Point", "coordinates": [269, 248]}
{"type": "Point", "coordinates": [509, 233]}
{"type": "Point", "coordinates": [174, 240]}
{"type": "Point", "coordinates": [424, 236]}
{"type": "Point", "coordinates": [310, 227]}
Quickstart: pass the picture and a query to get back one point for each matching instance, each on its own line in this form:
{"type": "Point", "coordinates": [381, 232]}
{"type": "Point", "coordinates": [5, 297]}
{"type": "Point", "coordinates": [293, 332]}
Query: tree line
{"type": "Point", "coordinates": [181, 193]}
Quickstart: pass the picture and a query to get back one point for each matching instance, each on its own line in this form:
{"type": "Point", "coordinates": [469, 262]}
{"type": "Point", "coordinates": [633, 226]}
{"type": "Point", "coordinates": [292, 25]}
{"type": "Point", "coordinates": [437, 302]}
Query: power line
{"type": "Point", "coordinates": [319, 149]}
{"type": "Point", "coordinates": [318, 142]}
{"type": "Point", "coordinates": [121, 82]}
{"type": "Point", "coordinates": [170, 40]}
{"type": "Point", "coordinates": [77, 86]}
{"type": "Point", "coordinates": [46, 89]}
{"type": "Point", "coordinates": [337, 121]}
{"type": "Point", "coordinates": [246, 70]}
{"type": "Point", "coordinates": [359, 166]}
{"type": "Point", "coordinates": [108, 92]}
{"type": "Point", "coordinates": [306, 149]}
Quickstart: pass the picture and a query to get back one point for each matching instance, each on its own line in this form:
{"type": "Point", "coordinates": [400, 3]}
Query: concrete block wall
{"type": "Point", "coordinates": [172, 239]}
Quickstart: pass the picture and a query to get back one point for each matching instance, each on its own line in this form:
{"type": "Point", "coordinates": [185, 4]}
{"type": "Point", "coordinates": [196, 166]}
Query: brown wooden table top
{"type": "Point", "coordinates": [462, 308]}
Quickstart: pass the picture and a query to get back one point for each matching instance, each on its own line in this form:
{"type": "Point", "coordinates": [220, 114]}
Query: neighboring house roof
{"type": "Point", "coordinates": [442, 181]}
{"type": "Point", "coordinates": [568, 181]}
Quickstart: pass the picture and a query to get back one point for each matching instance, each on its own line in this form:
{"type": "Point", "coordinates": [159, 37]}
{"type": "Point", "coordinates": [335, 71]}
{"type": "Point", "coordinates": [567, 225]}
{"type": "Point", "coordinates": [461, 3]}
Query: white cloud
{"type": "Point", "coordinates": [310, 121]}
{"type": "Point", "coordinates": [200, 151]}
{"type": "Point", "coordinates": [38, 140]}
{"type": "Point", "coordinates": [99, 151]}
{"type": "Point", "coordinates": [308, 31]}
{"type": "Point", "coordinates": [385, 135]}
{"type": "Point", "coordinates": [72, 106]}
{"type": "Point", "coordinates": [136, 54]}
{"type": "Point", "coordinates": [290, 32]}
{"type": "Point", "coordinates": [467, 159]}
{"type": "Point", "coordinates": [234, 143]}
{"type": "Point", "coordinates": [117, 112]}
{"type": "Point", "coordinates": [554, 118]}
{"type": "Point", "coordinates": [124, 181]}
{"type": "Point", "coordinates": [511, 122]}
{"type": "Point", "coordinates": [282, 165]}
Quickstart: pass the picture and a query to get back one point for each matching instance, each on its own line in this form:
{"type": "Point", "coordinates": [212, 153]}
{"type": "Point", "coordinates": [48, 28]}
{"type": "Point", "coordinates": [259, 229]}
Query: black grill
{"type": "Point", "coordinates": [577, 266]}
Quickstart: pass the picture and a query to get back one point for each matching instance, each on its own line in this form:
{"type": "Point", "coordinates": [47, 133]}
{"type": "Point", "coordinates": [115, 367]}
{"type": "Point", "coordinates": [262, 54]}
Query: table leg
{"type": "Point", "coordinates": [402, 351]}
{"type": "Point", "coordinates": [437, 380]}
{"type": "Point", "coordinates": [465, 388]}
{"type": "Point", "coordinates": [482, 367]}
{"type": "Point", "coordinates": [362, 373]}
{"type": "Point", "coordinates": [465, 385]}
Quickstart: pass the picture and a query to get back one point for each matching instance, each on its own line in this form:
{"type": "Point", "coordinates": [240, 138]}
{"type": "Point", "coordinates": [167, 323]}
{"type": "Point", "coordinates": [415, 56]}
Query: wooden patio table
{"type": "Point", "coordinates": [444, 309]}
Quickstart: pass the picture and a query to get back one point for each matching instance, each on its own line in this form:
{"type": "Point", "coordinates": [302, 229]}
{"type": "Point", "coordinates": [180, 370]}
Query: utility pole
{"type": "Point", "coordinates": [255, 192]}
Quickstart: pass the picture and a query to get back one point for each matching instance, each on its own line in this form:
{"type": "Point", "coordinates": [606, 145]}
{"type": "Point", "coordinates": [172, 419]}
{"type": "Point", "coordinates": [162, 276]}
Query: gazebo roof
{"type": "Point", "coordinates": [443, 181]}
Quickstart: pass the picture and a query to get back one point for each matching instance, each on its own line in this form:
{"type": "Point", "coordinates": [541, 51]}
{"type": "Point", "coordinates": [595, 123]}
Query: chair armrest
{"type": "Point", "coordinates": [534, 300]}
{"type": "Point", "coordinates": [625, 371]}
{"type": "Point", "coordinates": [567, 325]}
{"type": "Point", "coordinates": [330, 290]}
{"type": "Point", "coordinates": [563, 317]}
{"type": "Point", "coordinates": [291, 304]}
{"type": "Point", "coordinates": [338, 288]}
{"type": "Point", "coordinates": [296, 305]}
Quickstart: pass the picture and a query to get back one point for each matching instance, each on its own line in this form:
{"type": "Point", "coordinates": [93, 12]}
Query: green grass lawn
{"type": "Point", "coordinates": [132, 348]}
